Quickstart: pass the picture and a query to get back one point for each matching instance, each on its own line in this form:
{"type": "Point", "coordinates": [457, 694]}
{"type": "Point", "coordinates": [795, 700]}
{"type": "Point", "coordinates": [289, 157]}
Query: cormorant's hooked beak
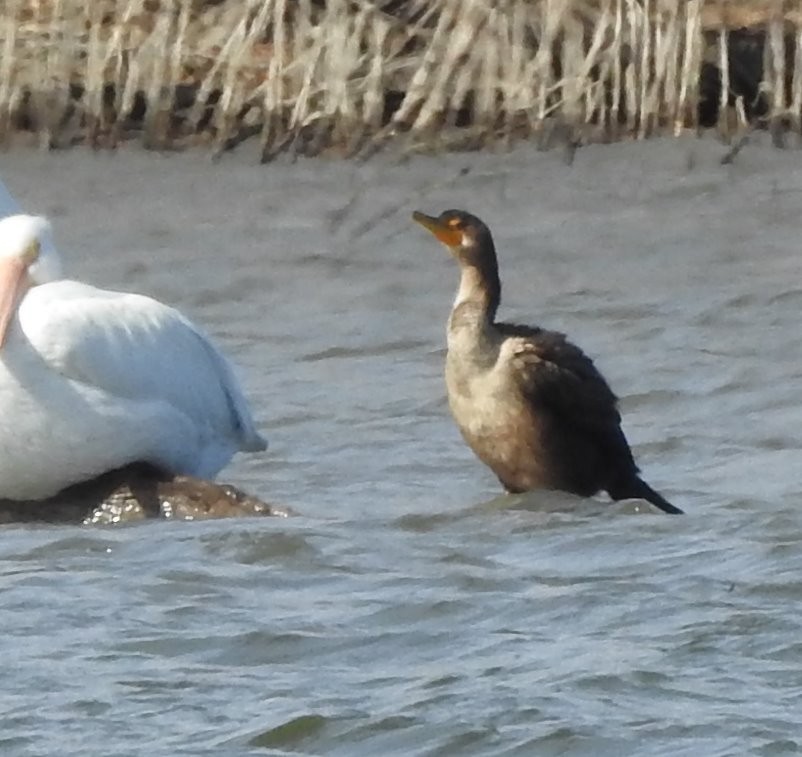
{"type": "Point", "coordinates": [452, 238]}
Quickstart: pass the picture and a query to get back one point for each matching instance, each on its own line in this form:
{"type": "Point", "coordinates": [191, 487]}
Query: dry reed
{"type": "Point", "coordinates": [314, 75]}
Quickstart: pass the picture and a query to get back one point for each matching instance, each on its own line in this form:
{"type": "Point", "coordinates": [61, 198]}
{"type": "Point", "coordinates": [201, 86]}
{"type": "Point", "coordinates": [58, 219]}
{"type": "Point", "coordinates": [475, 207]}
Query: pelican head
{"type": "Point", "coordinates": [27, 258]}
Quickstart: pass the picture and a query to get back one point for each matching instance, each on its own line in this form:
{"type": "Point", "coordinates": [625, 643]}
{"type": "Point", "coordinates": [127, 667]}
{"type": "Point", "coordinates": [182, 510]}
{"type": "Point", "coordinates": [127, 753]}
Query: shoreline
{"type": "Point", "coordinates": [350, 78]}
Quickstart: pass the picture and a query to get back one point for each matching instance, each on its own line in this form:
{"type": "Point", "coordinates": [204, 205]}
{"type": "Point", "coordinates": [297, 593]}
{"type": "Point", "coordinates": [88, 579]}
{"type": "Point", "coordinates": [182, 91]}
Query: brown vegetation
{"type": "Point", "coordinates": [314, 75]}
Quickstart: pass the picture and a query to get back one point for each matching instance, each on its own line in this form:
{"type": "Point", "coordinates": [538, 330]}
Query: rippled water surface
{"type": "Point", "coordinates": [411, 609]}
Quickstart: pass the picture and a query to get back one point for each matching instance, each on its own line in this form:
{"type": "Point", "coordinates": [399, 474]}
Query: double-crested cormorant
{"type": "Point", "coordinates": [530, 404]}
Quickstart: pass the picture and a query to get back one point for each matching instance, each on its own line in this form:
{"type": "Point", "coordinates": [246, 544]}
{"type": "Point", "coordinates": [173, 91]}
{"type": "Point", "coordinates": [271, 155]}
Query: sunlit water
{"type": "Point", "coordinates": [411, 609]}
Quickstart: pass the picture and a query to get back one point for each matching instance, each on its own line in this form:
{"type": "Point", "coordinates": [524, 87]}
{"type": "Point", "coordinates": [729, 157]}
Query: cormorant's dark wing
{"type": "Point", "coordinates": [556, 375]}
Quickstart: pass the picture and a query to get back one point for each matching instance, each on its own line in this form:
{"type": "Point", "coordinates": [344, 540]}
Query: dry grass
{"type": "Point", "coordinates": [312, 75]}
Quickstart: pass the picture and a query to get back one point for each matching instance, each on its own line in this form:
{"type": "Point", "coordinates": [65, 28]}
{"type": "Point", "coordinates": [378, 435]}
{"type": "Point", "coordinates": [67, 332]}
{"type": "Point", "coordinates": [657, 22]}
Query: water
{"type": "Point", "coordinates": [411, 609]}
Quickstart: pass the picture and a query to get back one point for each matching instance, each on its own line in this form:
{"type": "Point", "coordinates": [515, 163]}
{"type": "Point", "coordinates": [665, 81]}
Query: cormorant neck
{"type": "Point", "coordinates": [479, 289]}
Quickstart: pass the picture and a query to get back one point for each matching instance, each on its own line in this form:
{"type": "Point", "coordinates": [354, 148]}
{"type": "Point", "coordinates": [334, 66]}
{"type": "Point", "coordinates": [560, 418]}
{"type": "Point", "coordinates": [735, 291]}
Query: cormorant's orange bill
{"type": "Point", "coordinates": [446, 234]}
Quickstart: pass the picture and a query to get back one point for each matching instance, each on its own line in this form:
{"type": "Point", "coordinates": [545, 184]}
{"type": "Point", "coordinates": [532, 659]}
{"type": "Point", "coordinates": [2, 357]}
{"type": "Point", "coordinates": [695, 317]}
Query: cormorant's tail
{"type": "Point", "coordinates": [636, 488]}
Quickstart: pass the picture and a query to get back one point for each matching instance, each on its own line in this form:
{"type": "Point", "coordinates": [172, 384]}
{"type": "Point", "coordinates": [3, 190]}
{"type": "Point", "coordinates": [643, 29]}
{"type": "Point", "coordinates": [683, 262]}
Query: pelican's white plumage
{"type": "Point", "coordinates": [91, 380]}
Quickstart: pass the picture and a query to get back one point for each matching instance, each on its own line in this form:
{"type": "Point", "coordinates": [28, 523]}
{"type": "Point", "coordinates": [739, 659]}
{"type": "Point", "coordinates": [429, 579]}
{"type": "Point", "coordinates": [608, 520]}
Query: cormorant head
{"type": "Point", "coordinates": [467, 238]}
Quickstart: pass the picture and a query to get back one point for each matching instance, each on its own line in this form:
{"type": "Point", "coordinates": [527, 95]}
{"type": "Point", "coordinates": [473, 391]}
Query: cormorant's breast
{"type": "Point", "coordinates": [533, 408]}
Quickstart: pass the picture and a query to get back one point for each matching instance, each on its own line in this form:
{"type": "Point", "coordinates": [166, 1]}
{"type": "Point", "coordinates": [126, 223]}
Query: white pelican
{"type": "Point", "coordinates": [92, 380]}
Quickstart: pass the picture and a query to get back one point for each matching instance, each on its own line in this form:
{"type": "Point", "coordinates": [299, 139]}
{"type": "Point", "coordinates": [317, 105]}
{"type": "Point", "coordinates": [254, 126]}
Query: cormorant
{"type": "Point", "coordinates": [528, 402]}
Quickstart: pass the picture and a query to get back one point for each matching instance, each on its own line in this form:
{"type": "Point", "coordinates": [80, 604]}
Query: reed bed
{"type": "Point", "coordinates": [308, 76]}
